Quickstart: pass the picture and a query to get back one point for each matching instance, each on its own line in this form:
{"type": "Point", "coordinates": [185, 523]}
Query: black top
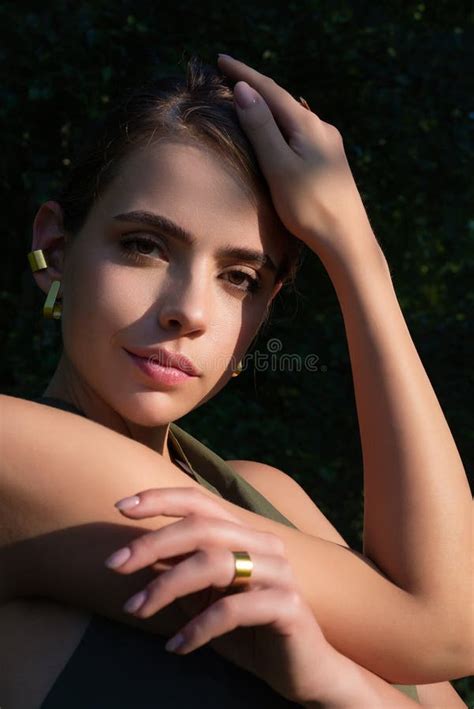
{"type": "Point", "coordinates": [119, 667]}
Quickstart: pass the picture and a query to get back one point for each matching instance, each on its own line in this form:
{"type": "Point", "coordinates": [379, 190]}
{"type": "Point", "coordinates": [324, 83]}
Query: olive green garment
{"type": "Point", "coordinates": [211, 471]}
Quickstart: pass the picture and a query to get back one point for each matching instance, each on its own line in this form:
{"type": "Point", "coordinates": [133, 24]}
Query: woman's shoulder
{"type": "Point", "coordinates": [8, 402]}
{"type": "Point", "coordinates": [18, 406]}
{"type": "Point", "coordinates": [282, 490]}
{"type": "Point", "coordinates": [60, 475]}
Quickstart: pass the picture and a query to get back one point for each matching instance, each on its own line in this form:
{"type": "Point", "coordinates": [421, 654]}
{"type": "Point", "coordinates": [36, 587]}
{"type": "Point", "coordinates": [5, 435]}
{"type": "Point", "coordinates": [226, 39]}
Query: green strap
{"type": "Point", "coordinates": [220, 476]}
{"type": "Point", "coordinates": [173, 443]}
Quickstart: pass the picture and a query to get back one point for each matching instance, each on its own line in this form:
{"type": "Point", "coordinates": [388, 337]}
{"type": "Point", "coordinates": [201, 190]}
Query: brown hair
{"type": "Point", "coordinates": [196, 109]}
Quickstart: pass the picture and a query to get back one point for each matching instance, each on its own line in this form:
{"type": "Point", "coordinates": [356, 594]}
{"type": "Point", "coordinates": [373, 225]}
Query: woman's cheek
{"type": "Point", "coordinates": [95, 309]}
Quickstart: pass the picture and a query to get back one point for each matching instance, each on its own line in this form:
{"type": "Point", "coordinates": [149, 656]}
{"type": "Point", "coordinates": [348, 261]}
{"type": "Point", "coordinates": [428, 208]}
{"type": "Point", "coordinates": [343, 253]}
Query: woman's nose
{"type": "Point", "coordinates": [186, 304]}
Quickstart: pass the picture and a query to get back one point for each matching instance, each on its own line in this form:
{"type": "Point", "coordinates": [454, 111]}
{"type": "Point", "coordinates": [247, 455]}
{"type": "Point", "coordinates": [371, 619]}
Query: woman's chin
{"type": "Point", "coordinates": [153, 409]}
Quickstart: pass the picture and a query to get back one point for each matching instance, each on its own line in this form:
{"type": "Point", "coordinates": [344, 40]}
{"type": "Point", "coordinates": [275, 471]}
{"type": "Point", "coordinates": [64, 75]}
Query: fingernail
{"type": "Point", "coordinates": [128, 502]}
{"type": "Point", "coordinates": [118, 558]}
{"type": "Point", "coordinates": [135, 602]}
{"type": "Point", "coordinates": [244, 95]}
{"type": "Point", "coordinates": [227, 56]}
{"type": "Point", "coordinates": [175, 642]}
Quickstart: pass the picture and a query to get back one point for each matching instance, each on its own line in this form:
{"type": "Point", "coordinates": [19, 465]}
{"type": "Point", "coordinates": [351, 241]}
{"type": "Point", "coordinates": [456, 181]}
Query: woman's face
{"type": "Point", "coordinates": [190, 298]}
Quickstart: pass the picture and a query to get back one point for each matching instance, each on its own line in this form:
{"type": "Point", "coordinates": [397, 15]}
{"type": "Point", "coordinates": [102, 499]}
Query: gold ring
{"type": "Point", "coordinates": [243, 568]}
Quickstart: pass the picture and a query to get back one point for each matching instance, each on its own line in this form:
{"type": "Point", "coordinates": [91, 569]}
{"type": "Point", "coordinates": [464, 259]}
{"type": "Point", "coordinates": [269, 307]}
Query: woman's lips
{"type": "Point", "coordinates": [165, 357]}
{"type": "Point", "coordinates": [168, 376]}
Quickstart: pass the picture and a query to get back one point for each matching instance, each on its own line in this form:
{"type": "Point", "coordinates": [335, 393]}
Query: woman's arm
{"type": "Point", "coordinates": [441, 695]}
{"type": "Point", "coordinates": [417, 500]}
{"type": "Point", "coordinates": [354, 687]}
{"type": "Point", "coordinates": [290, 499]}
{"type": "Point", "coordinates": [60, 475]}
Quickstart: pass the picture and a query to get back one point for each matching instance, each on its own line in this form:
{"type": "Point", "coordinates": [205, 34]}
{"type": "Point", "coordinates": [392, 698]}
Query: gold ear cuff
{"type": "Point", "coordinates": [37, 260]}
{"type": "Point", "coordinates": [52, 309]}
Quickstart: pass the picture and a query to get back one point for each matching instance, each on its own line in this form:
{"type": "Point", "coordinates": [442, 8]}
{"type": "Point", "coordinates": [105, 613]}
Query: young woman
{"type": "Point", "coordinates": [167, 235]}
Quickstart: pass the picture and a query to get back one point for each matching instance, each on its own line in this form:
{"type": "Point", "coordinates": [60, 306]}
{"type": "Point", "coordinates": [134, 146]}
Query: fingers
{"type": "Point", "coordinates": [275, 606]}
{"type": "Point", "coordinates": [270, 121]}
{"type": "Point", "coordinates": [208, 568]}
{"type": "Point", "coordinates": [286, 109]}
{"type": "Point", "coordinates": [172, 502]}
{"type": "Point", "coordinates": [273, 152]}
{"type": "Point", "coordinates": [187, 536]}
{"type": "Point", "coordinates": [200, 545]}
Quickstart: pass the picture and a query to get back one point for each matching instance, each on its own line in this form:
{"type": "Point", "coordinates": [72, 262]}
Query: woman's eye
{"type": "Point", "coordinates": [253, 284]}
{"type": "Point", "coordinates": [140, 249]}
{"type": "Point", "coordinates": [144, 250]}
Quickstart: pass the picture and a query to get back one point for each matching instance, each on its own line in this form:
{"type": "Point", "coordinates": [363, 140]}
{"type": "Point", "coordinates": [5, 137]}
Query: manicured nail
{"type": "Point", "coordinates": [135, 602]}
{"type": "Point", "coordinates": [175, 642]}
{"type": "Point", "coordinates": [127, 502]}
{"type": "Point", "coordinates": [244, 95]}
{"type": "Point", "coordinates": [227, 56]}
{"type": "Point", "coordinates": [118, 558]}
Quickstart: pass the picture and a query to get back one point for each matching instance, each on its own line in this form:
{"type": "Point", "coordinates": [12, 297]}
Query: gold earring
{"type": "Point", "coordinates": [237, 371]}
{"type": "Point", "coordinates": [51, 308]}
{"type": "Point", "coordinates": [37, 260]}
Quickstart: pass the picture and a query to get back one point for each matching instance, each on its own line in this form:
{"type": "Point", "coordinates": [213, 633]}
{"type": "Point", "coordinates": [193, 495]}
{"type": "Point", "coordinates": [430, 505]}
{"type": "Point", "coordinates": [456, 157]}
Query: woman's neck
{"type": "Point", "coordinates": [67, 388]}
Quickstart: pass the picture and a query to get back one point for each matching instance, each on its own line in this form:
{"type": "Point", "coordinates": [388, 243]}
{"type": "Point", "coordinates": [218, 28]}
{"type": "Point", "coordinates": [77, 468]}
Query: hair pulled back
{"type": "Point", "coordinates": [198, 109]}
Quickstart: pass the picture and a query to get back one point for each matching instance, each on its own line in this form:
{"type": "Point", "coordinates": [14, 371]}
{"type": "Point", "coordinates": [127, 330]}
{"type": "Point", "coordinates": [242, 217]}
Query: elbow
{"type": "Point", "coordinates": [460, 659]}
{"type": "Point", "coordinates": [452, 657]}
{"type": "Point", "coordinates": [458, 638]}
{"type": "Point", "coordinates": [463, 658]}
{"type": "Point", "coordinates": [433, 662]}
{"type": "Point", "coordinates": [448, 624]}
{"type": "Point", "coordinates": [443, 647]}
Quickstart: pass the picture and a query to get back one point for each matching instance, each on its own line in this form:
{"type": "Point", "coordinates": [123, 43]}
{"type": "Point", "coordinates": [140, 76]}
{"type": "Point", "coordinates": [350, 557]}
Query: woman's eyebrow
{"type": "Point", "coordinates": [167, 226]}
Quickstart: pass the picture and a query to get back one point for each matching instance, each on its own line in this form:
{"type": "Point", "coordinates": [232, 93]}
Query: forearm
{"type": "Point", "coordinates": [350, 686]}
{"type": "Point", "coordinates": [60, 476]}
{"type": "Point", "coordinates": [417, 501]}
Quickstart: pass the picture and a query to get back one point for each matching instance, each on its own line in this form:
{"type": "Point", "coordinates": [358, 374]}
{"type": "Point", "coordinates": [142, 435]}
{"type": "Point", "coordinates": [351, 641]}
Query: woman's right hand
{"type": "Point", "coordinates": [266, 626]}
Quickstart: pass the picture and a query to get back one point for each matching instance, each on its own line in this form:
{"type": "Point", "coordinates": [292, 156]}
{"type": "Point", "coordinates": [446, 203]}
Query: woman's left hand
{"type": "Point", "coordinates": [269, 628]}
{"type": "Point", "coordinates": [304, 163]}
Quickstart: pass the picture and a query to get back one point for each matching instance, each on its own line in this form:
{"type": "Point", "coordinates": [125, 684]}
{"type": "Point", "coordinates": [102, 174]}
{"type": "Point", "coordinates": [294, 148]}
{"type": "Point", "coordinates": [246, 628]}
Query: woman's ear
{"type": "Point", "coordinates": [48, 235]}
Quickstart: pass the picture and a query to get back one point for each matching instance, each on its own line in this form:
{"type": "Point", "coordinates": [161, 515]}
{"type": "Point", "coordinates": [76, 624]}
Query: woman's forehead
{"type": "Point", "coordinates": [193, 187]}
{"type": "Point", "coordinates": [179, 172]}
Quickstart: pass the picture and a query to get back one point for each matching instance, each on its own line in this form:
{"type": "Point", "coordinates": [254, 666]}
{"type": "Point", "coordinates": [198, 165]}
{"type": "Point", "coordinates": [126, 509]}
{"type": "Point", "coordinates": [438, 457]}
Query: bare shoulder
{"type": "Point", "coordinates": [289, 498]}
{"type": "Point", "coordinates": [13, 409]}
{"type": "Point", "coordinates": [10, 404]}
{"type": "Point", "coordinates": [60, 476]}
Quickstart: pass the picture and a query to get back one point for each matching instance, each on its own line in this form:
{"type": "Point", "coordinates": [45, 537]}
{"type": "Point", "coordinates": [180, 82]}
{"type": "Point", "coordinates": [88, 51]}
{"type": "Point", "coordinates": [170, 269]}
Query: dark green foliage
{"type": "Point", "coordinates": [395, 78]}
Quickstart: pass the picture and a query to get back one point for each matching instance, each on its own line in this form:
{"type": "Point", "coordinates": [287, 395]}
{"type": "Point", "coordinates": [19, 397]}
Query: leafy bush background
{"type": "Point", "coordinates": [395, 78]}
